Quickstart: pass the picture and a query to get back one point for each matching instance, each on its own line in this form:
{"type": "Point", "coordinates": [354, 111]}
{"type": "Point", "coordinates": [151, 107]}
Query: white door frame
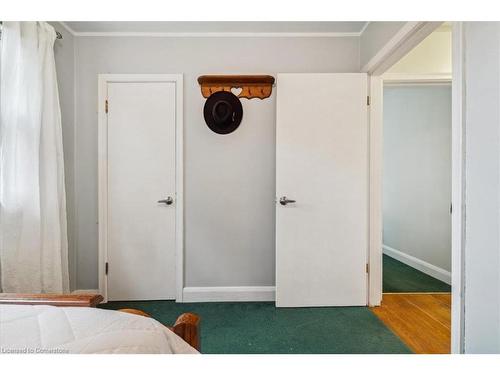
{"type": "Point", "coordinates": [394, 79]}
{"type": "Point", "coordinates": [405, 40]}
{"type": "Point", "coordinates": [103, 80]}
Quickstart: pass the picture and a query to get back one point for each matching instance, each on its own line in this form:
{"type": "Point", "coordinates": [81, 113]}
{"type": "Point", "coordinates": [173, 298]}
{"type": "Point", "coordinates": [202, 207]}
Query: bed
{"type": "Point", "coordinates": [71, 324]}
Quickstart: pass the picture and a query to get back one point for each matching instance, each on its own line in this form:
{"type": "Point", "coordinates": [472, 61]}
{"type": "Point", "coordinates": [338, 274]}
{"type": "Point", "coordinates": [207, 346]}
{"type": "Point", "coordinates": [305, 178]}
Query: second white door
{"type": "Point", "coordinates": [322, 190]}
{"type": "Point", "coordinates": [141, 126]}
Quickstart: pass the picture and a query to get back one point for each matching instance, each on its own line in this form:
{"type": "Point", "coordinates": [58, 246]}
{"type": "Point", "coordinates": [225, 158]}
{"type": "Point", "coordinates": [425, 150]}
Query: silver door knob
{"type": "Point", "coordinates": [167, 201]}
{"type": "Point", "coordinates": [284, 201]}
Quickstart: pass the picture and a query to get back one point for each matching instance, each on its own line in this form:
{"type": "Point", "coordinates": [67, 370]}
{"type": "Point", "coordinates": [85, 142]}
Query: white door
{"type": "Point", "coordinates": [141, 172]}
{"type": "Point", "coordinates": [322, 165]}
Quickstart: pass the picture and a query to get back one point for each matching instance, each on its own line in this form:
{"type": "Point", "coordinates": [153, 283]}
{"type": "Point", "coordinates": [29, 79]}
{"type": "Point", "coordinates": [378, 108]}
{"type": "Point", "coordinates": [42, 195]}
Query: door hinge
{"type": "Point", "coordinates": [106, 268]}
{"type": "Point", "coordinates": [106, 106]}
{"type": "Point", "coordinates": [367, 268]}
{"type": "Point", "coordinates": [367, 100]}
{"type": "Point", "coordinates": [451, 208]}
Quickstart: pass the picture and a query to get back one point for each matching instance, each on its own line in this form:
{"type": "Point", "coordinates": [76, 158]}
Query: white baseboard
{"type": "Point", "coordinates": [86, 291]}
{"type": "Point", "coordinates": [419, 264]}
{"type": "Point", "coordinates": [229, 294]}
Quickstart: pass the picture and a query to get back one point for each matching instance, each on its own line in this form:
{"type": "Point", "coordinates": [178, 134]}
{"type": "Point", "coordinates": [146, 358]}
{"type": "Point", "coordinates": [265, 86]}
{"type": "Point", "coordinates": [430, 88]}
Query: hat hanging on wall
{"type": "Point", "coordinates": [223, 112]}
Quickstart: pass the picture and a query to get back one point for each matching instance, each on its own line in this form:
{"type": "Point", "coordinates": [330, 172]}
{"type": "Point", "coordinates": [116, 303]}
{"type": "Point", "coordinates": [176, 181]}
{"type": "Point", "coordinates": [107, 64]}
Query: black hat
{"type": "Point", "coordinates": [223, 112]}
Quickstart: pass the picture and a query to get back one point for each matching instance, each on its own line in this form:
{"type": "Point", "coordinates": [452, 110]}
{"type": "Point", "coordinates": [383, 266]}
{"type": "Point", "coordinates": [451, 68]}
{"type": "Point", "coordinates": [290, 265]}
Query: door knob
{"type": "Point", "coordinates": [167, 201]}
{"type": "Point", "coordinates": [284, 201]}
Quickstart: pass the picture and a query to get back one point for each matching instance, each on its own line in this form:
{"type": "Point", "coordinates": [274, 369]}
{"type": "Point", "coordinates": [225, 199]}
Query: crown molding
{"type": "Point", "coordinates": [68, 29]}
{"type": "Point", "coordinates": [218, 34]}
{"type": "Point", "coordinates": [364, 28]}
{"type": "Point", "coordinates": [214, 34]}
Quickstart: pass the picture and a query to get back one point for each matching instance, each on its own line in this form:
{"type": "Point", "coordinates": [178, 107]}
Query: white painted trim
{"type": "Point", "coordinates": [86, 291]}
{"type": "Point", "coordinates": [103, 80]}
{"type": "Point", "coordinates": [75, 164]}
{"type": "Point", "coordinates": [102, 177]}
{"type": "Point", "coordinates": [419, 264]}
{"type": "Point", "coordinates": [179, 187]}
{"type": "Point", "coordinates": [229, 294]}
{"type": "Point", "coordinates": [364, 28]}
{"type": "Point", "coordinates": [458, 216]}
{"type": "Point", "coordinates": [375, 132]}
{"type": "Point", "coordinates": [416, 84]}
{"type": "Point", "coordinates": [220, 34]}
{"type": "Point", "coordinates": [408, 37]}
{"type": "Point", "coordinates": [419, 79]}
{"type": "Point", "coordinates": [388, 48]}
{"type": "Point", "coordinates": [68, 29]}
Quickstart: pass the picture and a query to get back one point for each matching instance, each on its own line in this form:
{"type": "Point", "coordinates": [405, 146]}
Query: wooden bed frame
{"type": "Point", "coordinates": [187, 325]}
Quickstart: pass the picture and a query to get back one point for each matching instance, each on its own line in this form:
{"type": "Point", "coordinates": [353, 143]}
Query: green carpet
{"type": "Point", "coordinates": [260, 327]}
{"type": "Point", "coordinates": [399, 277]}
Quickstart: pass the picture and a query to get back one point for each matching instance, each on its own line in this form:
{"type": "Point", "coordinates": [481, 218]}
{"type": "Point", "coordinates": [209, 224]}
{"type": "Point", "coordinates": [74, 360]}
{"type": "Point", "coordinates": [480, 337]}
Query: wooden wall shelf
{"type": "Point", "coordinates": [252, 86]}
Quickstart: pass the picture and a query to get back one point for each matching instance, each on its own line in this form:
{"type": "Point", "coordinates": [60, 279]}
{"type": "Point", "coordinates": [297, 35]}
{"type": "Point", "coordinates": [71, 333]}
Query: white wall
{"type": "Point", "coordinates": [417, 172]}
{"type": "Point", "coordinates": [482, 190]}
{"type": "Point", "coordinates": [229, 180]}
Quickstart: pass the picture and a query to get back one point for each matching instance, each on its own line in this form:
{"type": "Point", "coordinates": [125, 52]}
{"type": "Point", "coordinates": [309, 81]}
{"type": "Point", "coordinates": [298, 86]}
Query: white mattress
{"type": "Point", "coordinates": [48, 329]}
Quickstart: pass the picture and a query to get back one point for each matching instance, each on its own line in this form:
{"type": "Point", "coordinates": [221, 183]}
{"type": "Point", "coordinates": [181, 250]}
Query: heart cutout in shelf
{"type": "Point", "coordinates": [236, 90]}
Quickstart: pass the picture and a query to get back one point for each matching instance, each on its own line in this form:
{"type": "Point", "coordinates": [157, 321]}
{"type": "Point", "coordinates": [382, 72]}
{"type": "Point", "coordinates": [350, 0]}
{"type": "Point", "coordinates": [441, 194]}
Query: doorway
{"type": "Point", "coordinates": [417, 187]}
{"type": "Point", "coordinates": [140, 187]}
{"type": "Point", "coordinates": [417, 195]}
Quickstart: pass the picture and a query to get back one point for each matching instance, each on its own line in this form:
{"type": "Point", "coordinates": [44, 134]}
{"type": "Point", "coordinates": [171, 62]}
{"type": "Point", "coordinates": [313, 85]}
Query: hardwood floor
{"type": "Point", "coordinates": [421, 320]}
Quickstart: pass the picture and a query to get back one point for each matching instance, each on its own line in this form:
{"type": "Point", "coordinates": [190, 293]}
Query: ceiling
{"type": "Point", "coordinates": [215, 27]}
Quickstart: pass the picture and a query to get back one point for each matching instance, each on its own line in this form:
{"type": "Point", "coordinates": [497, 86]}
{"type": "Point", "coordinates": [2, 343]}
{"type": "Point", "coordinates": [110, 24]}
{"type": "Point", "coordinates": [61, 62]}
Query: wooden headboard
{"type": "Point", "coordinates": [61, 300]}
{"type": "Point", "coordinates": [187, 326]}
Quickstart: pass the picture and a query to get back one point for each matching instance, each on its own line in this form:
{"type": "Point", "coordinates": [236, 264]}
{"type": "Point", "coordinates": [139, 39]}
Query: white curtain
{"type": "Point", "coordinates": [33, 237]}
